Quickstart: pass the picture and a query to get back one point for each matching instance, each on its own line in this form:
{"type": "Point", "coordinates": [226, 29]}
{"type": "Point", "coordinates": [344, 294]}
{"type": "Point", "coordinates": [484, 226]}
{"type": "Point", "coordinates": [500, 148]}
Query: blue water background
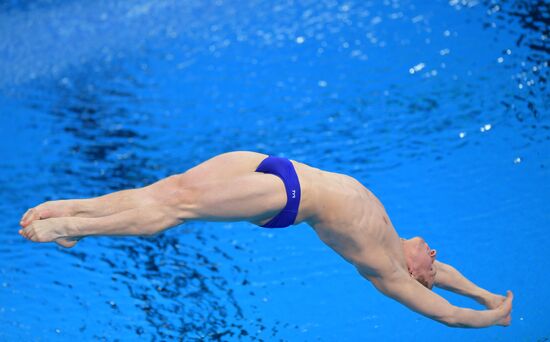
{"type": "Point", "coordinates": [440, 108]}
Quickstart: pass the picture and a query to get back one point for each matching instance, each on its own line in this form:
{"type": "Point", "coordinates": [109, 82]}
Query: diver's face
{"type": "Point", "coordinates": [420, 259]}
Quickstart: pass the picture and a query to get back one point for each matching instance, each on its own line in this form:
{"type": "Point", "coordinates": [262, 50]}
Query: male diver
{"type": "Point", "coordinates": [276, 192]}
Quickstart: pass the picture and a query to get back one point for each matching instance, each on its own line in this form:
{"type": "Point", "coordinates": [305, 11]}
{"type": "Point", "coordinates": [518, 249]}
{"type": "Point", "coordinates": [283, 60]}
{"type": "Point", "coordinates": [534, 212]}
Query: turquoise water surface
{"type": "Point", "coordinates": [440, 108]}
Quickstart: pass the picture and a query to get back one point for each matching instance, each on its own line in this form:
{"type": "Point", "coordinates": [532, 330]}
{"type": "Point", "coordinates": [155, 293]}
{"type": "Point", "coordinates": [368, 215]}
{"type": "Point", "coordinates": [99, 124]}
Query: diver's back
{"type": "Point", "coordinates": [329, 196]}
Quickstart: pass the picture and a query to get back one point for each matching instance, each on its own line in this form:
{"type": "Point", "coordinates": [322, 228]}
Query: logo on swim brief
{"type": "Point", "coordinates": [293, 193]}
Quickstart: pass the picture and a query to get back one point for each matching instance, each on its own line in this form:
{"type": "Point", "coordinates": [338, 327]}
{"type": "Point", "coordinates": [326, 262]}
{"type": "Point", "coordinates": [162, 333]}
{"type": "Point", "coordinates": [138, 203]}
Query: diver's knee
{"type": "Point", "coordinates": [186, 202]}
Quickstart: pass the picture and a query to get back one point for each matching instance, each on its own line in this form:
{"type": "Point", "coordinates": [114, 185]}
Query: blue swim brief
{"type": "Point", "coordinates": [283, 168]}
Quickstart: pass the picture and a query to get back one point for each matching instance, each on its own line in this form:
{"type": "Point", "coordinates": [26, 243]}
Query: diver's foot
{"type": "Point", "coordinates": [493, 301]}
{"type": "Point", "coordinates": [67, 242]}
{"type": "Point", "coordinates": [50, 209]}
{"type": "Point", "coordinates": [62, 208]}
{"type": "Point", "coordinates": [51, 230]}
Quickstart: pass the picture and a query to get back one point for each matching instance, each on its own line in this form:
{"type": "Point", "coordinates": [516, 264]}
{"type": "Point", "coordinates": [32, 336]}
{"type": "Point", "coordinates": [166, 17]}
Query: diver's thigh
{"type": "Point", "coordinates": [252, 197]}
{"type": "Point", "coordinates": [224, 167]}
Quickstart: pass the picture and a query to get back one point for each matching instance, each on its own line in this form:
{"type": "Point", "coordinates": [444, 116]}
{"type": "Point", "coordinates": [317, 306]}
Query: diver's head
{"type": "Point", "coordinates": [420, 260]}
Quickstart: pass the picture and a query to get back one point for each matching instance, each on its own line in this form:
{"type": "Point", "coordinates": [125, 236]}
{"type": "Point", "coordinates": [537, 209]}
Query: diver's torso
{"type": "Point", "coordinates": [345, 214]}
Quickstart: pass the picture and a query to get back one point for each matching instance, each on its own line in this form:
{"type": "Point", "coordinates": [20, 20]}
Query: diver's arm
{"type": "Point", "coordinates": [450, 279]}
{"type": "Point", "coordinates": [416, 297]}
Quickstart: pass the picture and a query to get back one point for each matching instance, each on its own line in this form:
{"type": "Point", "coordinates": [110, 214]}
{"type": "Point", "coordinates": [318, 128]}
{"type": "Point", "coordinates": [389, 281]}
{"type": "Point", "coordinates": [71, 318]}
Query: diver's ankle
{"type": "Point", "coordinates": [71, 228]}
{"type": "Point", "coordinates": [484, 297]}
{"type": "Point", "coordinates": [84, 208]}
